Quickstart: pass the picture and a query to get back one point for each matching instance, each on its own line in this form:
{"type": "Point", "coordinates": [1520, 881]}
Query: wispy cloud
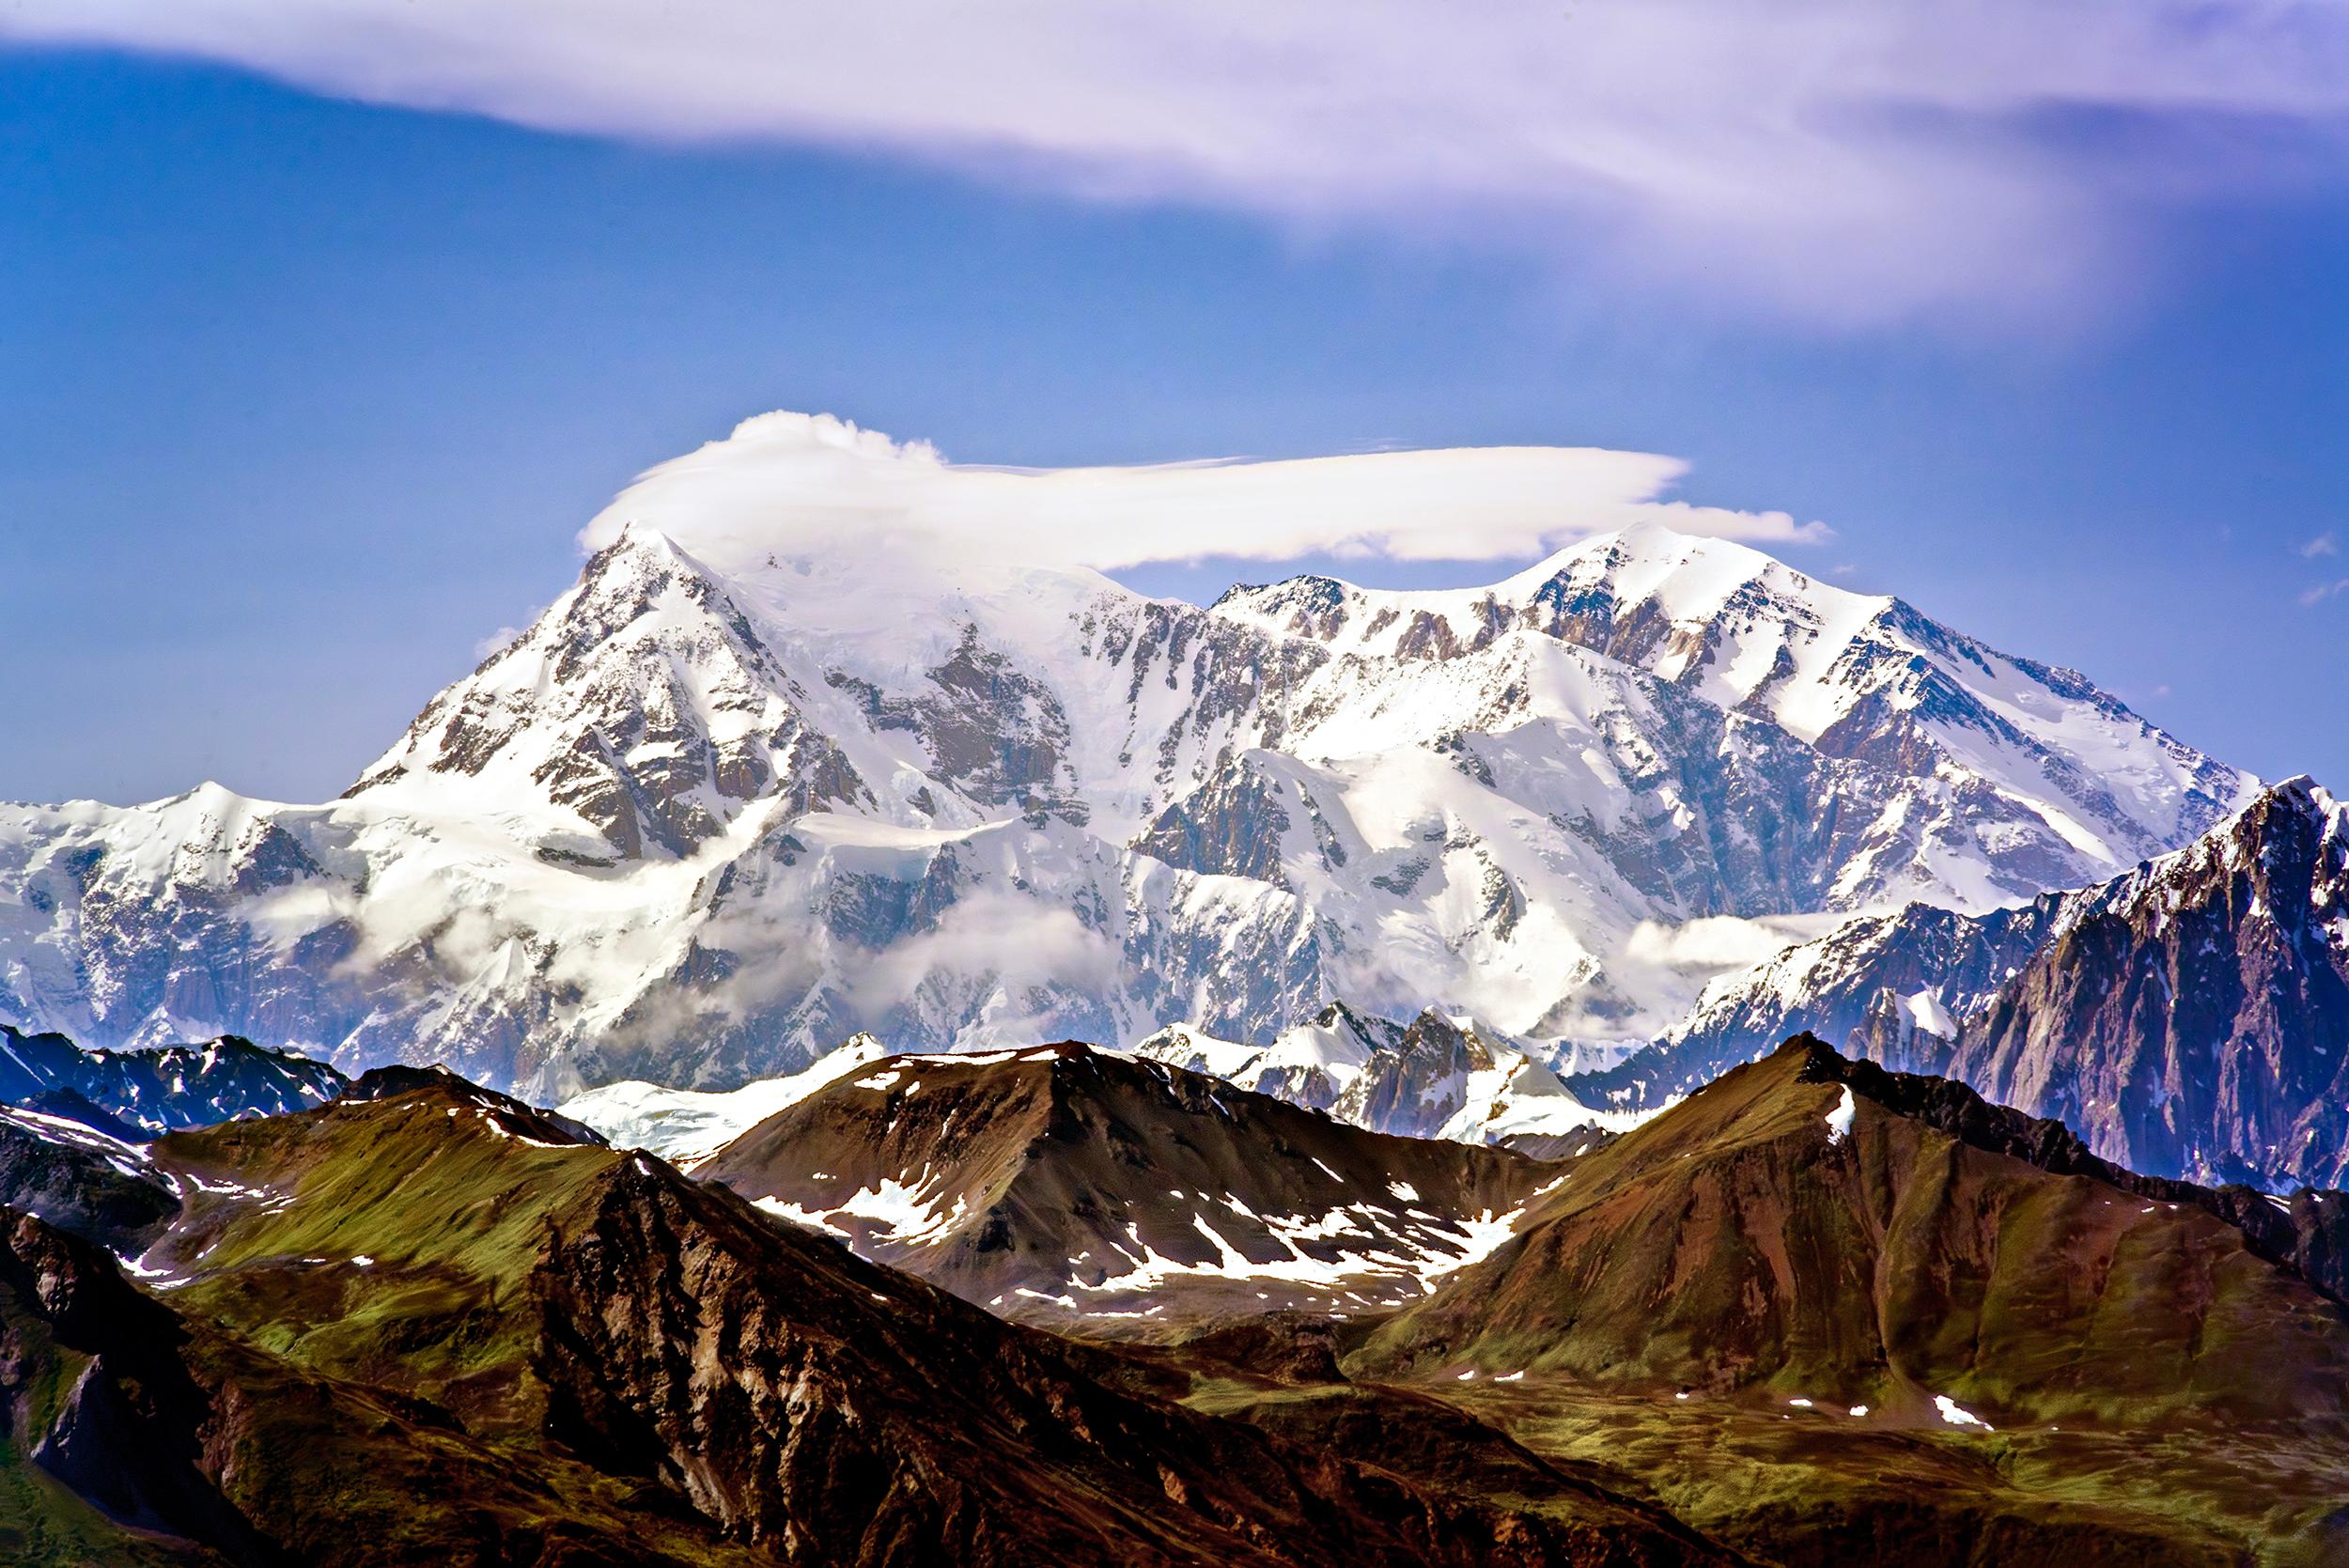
{"type": "Point", "coordinates": [2324, 544]}
{"type": "Point", "coordinates": [1840, 161]}
{"type": "Point", "coordinates": [2324, 591]}
{"type": "Point", "coordinates": [795, 484]}
{"type": "Point", "coordinates": [497, 642]}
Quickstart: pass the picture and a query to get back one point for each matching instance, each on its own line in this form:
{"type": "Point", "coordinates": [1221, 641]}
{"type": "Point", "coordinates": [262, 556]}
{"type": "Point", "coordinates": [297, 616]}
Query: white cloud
{"type": "Point", "coordinates": [1016, 943]}
{"type": "Point", "coordinates": [790, 483]}
{"type": "Point", "coordinates": [1851, 160]}
{"type": "Point", "coordinates": [1711, 943]}
{"type": "Point", "coordinates": [2324, 544]}
{"type": "Point", "coordinates": [2324, 591]}
{"type": "Point", "coordinates": [497, 642]}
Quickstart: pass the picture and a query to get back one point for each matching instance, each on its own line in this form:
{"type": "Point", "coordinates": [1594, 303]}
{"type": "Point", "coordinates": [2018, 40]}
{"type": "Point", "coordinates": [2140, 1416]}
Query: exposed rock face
{"type": "Point", "coordinates": [1311, 1063]}
{"type": "Point", "coordinates": [718, 810]}
{"type": "Point", "coordinates": [661, 713]}
{"type": "Point", "coordinates": [2193, 1018]}
{"type": "Point", "coordinates": [1440, 1076]}
{"type": "Point", "coordinates": [2190, 1019]}
{"type": "Point", "coordinates": [1416, 1085]}
{"type": "Point", "coordinates": [803, 1420]}
{"type": "Point", "coordinates": [194, 1448]}
{"type": "Point", "coordinates": [1899, 978]}
{"type": "Point", "coordinates": [1062, 1185]}
{"type": "Point", "coordinates": [1446, 1077]}
{"type": "Point", "coordinates": [160, 1088]}
{"type": "Point", "coordinates": [82, 1182]}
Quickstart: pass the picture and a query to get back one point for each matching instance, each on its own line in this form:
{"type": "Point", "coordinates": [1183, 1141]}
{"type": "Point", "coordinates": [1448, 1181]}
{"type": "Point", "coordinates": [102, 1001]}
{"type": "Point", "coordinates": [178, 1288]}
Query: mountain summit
{"type": "Point", "coordinates": [728, 802]}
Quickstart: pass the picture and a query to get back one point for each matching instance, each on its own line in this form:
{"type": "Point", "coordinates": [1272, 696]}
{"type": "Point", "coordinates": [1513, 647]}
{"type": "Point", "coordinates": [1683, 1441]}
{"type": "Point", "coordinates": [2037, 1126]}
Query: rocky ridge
{"type": "Point", "coordinates": [2187, 1018]}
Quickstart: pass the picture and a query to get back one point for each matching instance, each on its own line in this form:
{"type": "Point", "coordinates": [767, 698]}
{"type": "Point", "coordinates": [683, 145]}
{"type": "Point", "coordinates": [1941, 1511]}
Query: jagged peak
{"type": "Point", "coordinates": [2299, 795]}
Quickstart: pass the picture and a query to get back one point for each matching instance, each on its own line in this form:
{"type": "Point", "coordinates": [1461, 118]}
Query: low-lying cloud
{"type": "Point", "coordinates": [1841, 161]}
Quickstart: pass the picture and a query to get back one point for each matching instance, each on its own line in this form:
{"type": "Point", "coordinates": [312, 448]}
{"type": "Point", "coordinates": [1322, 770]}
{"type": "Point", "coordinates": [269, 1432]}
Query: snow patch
{"type": "Point", "coordinates": [1957, 1415]}
{"type": "Point", "coordinates": [1839, 1119]}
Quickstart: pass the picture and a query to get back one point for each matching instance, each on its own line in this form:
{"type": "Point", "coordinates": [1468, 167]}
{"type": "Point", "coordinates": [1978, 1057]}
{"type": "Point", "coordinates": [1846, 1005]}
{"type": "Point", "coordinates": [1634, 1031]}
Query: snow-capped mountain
{"type": "Point", "coordinates": [1311, 1062]}
{"type": "Point", "coordinates": [734, 797]}
{"type": "Point", "coordinates": [2188, 1019]}
{"type": "Point", "coordinates": [142, 1094]}
{"type": "Point", "coordinates": [1904, 978]}
{"type": "Point", "coordinates": [1440, 1076]}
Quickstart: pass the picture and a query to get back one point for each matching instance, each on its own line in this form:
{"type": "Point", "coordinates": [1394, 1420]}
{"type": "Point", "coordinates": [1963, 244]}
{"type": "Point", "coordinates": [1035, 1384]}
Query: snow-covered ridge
{"type": "Point", "coordinates": [723, 806]}
{"type": "Point", "coordinates": [683, 1126]}
{"type": "Point", "coordinates": [1440, 1075]}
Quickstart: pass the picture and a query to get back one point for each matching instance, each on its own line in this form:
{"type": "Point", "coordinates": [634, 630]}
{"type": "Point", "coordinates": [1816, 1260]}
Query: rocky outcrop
{"type": "Point", "coordinates": [1416, 1085]}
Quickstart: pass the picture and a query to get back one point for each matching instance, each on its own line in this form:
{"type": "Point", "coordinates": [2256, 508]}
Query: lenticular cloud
{"type": "Point", "coordinates": [787, 482]}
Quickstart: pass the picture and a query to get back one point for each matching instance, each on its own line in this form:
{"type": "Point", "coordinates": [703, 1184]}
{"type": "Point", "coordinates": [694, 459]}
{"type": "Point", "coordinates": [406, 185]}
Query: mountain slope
{"type": "Point", "coordinates": [2190, 1018]}
{"type": "Point", "coordinates": [81, 1181]}
{"type": "Point", "coordinates": [1903, 977]}
{"type": "Point", "coordinates": [2194, 1017]}
{"type": "Point", "coordinates": [726, 803]}
{"type": "Point", "coordinates": [139, 1434]}
{"type": "Point", "coordinates": [1067, 1186]}
{"type": "Point", "coordinates": [1814, 1241]}
{"type": "Point", "coordinates": [628, 1339]}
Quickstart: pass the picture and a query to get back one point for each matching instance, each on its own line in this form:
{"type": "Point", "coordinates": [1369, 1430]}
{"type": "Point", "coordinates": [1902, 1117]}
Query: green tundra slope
{"type": "Point", "coordinates": [1819, 1303]}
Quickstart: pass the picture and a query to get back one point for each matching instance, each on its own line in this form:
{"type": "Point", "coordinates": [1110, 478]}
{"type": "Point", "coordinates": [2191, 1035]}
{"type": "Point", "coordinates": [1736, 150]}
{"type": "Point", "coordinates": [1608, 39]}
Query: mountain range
{"type": "Point", "coordinates": [424, 1323]}
{"type": "Point", "coordinates": [1812, 1312]}
{"type": "Point", "coordinates": [728, 802]}
{"type": "Point", "coordinates": [835, 1047]}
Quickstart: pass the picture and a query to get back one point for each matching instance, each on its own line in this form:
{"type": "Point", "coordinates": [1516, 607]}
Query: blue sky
{"type": "Point", "coordinates": [302, 397]}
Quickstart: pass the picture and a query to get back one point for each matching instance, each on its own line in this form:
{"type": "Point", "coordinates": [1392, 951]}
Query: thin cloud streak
{"type": "Point", "coordinates": [1835, 161]}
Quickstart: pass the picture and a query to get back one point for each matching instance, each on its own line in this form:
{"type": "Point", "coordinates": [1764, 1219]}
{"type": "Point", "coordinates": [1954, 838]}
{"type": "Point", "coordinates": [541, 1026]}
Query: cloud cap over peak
{"type": "Point", "coordinates": [1848, 162]}
{"type": "Point", "coordinates": [787, 483]}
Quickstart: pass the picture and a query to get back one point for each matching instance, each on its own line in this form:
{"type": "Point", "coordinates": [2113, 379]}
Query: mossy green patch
{"type": "Point", "coordinates": [387, 1242]}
